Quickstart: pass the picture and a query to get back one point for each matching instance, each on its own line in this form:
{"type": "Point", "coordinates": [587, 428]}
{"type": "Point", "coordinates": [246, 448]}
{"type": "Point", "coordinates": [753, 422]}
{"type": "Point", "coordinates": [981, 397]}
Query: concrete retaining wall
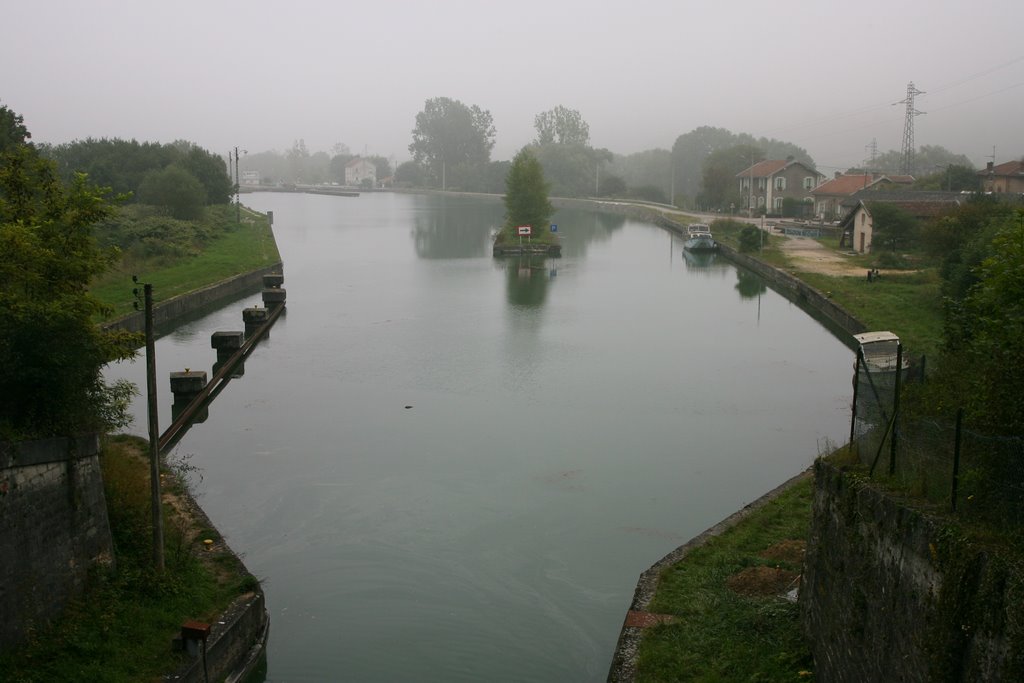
{"type": "Point", "coordinates": [892, 594]}
{"type": "Point", "coordinates": [168, 311]}
{"type": "Point", "coordinates": [53, 529]}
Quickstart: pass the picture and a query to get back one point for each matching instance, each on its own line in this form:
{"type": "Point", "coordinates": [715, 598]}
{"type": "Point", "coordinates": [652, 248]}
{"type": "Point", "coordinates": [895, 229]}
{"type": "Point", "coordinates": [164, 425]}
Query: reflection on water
{"type": "Point", "coordinates": [440, 232]}
{"type": "Point", "coordinates": [527, 279]}
{"type": "Point", "coordinates": [749, 284]}
{"type": "Point", "coordinates": [698, 261]}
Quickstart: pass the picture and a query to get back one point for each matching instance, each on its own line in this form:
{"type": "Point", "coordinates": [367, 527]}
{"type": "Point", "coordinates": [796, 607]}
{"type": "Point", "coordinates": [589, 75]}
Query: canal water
{"type": "Point", "coordinates": [447, 467]}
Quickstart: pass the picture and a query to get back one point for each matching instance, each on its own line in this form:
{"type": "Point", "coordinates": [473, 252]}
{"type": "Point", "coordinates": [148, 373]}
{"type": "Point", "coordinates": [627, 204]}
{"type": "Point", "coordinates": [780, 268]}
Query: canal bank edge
{"type": "Point", "coordinates": [168, 311]}
{"type": "Point", "coordinates": [236, 644]}
{"type": "Point", "coordinates": [623, 666]}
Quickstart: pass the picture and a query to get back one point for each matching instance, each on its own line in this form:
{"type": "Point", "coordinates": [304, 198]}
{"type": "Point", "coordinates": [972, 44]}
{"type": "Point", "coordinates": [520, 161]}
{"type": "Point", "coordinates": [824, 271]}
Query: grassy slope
{"type": "Point", "coordinates": [245, 248]}
{"type": "Point", "coordinates": [721, 635]}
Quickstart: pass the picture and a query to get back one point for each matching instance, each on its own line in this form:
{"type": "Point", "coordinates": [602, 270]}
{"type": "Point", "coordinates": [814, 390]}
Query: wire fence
{"type": "Point", "coordinates": [978, 476]}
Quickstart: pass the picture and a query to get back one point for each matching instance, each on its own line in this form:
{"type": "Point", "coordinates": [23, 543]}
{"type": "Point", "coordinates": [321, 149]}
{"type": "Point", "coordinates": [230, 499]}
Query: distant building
{"type": "Point", "coordinates": [360, 170]}
{"type": "Point", "coordinates": [1008, 177]}
{"type": "Point", "coordinates": [250, 177]}
{"type": "Point", "coordinates": [858, 226]}
{"type": "Point", "coordinates": [830, 195]}
{"type": "Point", "coordinates": [767, 184]}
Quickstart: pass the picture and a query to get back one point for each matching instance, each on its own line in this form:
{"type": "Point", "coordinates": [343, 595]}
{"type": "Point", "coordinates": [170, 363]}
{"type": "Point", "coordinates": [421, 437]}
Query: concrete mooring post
{"type": "Point", "coordinates": [254, 318]}
{"type": "Point", "coordinates": [227, 344]}
{"type": "Point", "coordinates": [273, 293]}
{"type": "Point", "coordinates": [186, 386]}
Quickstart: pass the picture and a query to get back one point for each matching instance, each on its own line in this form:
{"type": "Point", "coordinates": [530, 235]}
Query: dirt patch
{"type": "Point", "coordinates": [762, 581]}
{"type": "Point", "coordinates": [789, 551]}
{"type": "Point", "coordinates": [810, 256]}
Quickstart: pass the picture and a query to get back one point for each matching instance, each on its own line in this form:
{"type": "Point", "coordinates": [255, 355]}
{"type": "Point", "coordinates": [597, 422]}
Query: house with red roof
{"type": "Point", "coordinates": [830, 195]}
{"type": "Point", "coordinates": [767, 184]}
{"type": "Point", "coordinates": [1004, 178]}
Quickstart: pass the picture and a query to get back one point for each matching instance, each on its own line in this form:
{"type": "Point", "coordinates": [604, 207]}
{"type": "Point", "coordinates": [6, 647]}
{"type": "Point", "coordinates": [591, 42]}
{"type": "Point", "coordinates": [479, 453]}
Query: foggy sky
{"type": "Point", "coordinates": [261, 75]}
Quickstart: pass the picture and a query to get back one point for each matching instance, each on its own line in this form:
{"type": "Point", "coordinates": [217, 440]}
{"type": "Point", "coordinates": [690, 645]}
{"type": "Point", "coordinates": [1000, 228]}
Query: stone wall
{"type": "Point", "coordinates": [890, 593]}
{"type": "Point", "coordinates": [53, 529]}
{"type": "Point", "coordinates": [167, 311]}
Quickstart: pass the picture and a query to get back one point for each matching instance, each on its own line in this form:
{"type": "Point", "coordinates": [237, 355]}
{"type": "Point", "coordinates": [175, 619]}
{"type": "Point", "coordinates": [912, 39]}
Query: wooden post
{"type": "Point", "coordinates": [154, 434]}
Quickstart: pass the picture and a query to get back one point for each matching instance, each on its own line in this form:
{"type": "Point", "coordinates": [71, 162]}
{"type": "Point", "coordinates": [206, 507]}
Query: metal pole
{"type": "Point", "coordinates": [956, 457]}
{"type": "Point", "coordinates": [238, 202]}
{"type": "Point", "coordinates": [893, 443]}
{"type": "Point", "coordinates": [154, 434]}
{"type": "Point", "coordinates": [853, 418]}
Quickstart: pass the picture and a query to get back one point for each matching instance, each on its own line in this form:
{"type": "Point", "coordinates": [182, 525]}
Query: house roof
{"type": "Point", "coordinates": [357, 161]}
{"type": "Point", "coordinates": [763, 169]}
{"type": "Point", "coordinates": [919, 204]}
{"type": "Point", "coordinates": [769, 167]}
{"type": "Point", "coordinates": [1010, 168]}
{"type": "Point", "coordinates": [899, 179]}
{"type": "Point", "coordinates": [844, 184]}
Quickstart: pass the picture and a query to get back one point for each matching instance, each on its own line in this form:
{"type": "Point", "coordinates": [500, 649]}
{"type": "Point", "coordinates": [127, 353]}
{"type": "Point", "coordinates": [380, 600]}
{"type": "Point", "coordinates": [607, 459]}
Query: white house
{"type": "Point", "coordinates": [359, 170]}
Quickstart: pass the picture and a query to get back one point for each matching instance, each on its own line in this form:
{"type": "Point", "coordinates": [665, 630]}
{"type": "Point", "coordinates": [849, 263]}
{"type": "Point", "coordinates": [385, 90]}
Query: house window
{"type": "Point", "coordinates": [744, 183]}
{"type": "Point", "coordinates": [760, 201]}
{"type": "Point", "coordinates": [780, 183]}
{"type": "Point", "coordinates": [809, 183]}
{"type": "Point", "coordinates": [762, 183]}
{"type": "Point", "coordinates": [778, 203]}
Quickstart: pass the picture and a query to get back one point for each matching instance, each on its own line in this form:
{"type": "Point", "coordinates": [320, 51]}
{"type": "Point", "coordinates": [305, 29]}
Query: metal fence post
{"type": "Point", "coordinates": [956, 457]}
{"type": "Point", "coordinates": [894, 439]}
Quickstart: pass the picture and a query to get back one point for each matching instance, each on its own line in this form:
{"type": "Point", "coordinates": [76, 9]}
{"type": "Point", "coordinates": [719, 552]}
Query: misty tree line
{"type": "Point", "coordinates": [452, 143]}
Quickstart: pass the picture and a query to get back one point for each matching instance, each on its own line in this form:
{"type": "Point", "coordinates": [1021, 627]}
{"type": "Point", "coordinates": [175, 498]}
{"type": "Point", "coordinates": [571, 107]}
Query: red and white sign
{"type": "Point", "coordinates": [525, 230]}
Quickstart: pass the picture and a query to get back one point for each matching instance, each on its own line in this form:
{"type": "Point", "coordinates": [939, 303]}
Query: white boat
{"type": "Point", "coordinates": [698, 238]}
{"type": "Point", "coordinates": [879, 350]}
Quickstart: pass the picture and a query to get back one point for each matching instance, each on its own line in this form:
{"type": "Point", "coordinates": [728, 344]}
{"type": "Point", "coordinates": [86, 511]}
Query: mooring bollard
{"type": "Point", "coordinates": [274, 297]}
{"type": "Point", "coordinates": [254, 318]}
{"type": "Point", "coordinates": [186, 386]}
{"type": "Point", "coordinates": [227, 344]}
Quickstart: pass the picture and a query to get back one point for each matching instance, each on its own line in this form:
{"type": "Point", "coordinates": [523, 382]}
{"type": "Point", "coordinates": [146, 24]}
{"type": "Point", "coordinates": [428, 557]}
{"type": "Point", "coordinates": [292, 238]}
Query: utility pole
{"type": "Point", "coordinates": [154, 428]}
{"type": "Point", "coordinates": [238, 203]}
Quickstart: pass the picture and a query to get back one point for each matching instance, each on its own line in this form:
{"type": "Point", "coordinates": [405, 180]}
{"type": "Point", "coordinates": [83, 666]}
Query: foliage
{"type": "Point", "coordinates": [691, 149]}
{"type": "Point", "coordinates": [50, 350]}
{"type": "Point", "coordinates": [984, 339]}
{"type": "Point", "coordinates": [180, 256]}
{"type": "Point", "coordinates": [123, 164]}
{"type": "Point", "coordinates": [955, 178]}
{"type": "Point", "coordinates": [612, 186]}
{"type": "Point", "coordinates": [452, 140]}
{"type": "Point", "coordinates": [962, 240]}
{"type": "Point", "coordinates": [928, 159]}
{"type": "Point", "coordinates": [572, 169]}
{"type": "Point", "coordinates": [12, 129]}
{"type": "Point", "coordinates": [751, 239]}
{"type": "Point", "coordinates": [649, 193]}
{"type": "Point", "coordinates": [892, 226]}
{"type": "Point", "coordinates": [526, 196]}
{"type": "Point", "coordinates": [562, 126]}
{"type": "Point", "coordinates": [652, 167]}
{"type": "Point", "coordinates": [720, 188]}
{"type": "Point", "coordinates": [411, 174]}
{"type": "Point", "coordinates": [122, 628]}
{"type": "Point", "coordinates": [174, 190]}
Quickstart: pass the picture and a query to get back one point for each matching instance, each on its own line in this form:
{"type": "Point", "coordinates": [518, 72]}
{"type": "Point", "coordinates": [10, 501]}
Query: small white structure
{"type": "Point", "coordinates": [359, 170]}
{"type": "Point", "coordinates": [250, 177]}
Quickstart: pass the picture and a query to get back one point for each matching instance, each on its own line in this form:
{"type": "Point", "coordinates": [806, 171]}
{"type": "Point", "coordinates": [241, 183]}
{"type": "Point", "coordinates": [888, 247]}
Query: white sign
{"type": "Point", "coordinates": [524, 230]}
